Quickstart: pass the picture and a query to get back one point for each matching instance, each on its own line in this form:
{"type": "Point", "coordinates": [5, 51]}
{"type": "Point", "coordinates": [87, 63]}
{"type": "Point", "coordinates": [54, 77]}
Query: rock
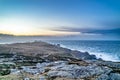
{"type": "Point", "coordinates": [103, 77]}
{"type": "Point", "coordinates": [41, 65]}
{"type": "Point", "coordinates": [111, 76]}
{"type": "Point", "coordinates": [33, 71]}
{"type": "Point", "coordinates": [92, 69]}
{"type": "Point", "coordinates": [60, 74]}
{"type": "Point", "coordinates": [75, 71]}
{"type": "Point", "coordinates": [83, 55]}
{"type": "Point", "coordinates": [114, 76]}
{"type": "Point", "coordinates": [55, 63]}
{"type": "Point", "coordinates": [112, 64]}
{"type": "Point", "coordinates": [80, 63]}
{"type": "Point", "coordinates": [69, 67]}
{"type": "Point", "coordinates": [107, 63]}
{"type": "Point", "coordinates": [57, 67]}
{"type": "Point", "coordinates": [26, 79]}
{"type": "Point", "coordinates": [42, 78]}
{"type": "Point", "coordinates": [14, 71]}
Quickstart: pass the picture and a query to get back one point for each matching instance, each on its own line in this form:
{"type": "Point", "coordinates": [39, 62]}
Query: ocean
{"type": "Point", "coordinates": [107, 50]}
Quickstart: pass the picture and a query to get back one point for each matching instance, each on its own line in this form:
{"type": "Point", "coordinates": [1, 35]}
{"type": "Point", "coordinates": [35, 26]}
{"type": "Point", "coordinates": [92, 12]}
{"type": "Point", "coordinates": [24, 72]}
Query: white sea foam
{"type": "Point", "coordinates": [104, 56]}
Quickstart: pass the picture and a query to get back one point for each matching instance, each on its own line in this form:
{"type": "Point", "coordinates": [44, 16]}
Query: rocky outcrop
{"type": "Point", "coordinates": [114, 76]}
{"type": "Point", "coordinates": [111, 76]}
{"type": "Point", "coordinates": [83, 55]}
{"type": "Point", "coordinates": [57, 62]}
{"type": "Point", "coordinates": [62, 69]}
{"type": "Point", "coordinates": [74, 71]}
{"type": "Point", "coordinates": [43, 50]}
{"type": "Point", "coordinates": [103, 77]}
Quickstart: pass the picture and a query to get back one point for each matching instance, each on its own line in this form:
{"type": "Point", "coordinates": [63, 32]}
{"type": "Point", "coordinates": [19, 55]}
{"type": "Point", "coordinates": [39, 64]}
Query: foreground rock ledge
{"type": "Point", "coordinates": [52, 62]}
{"type": "Point", "coordinates": [64, 70]}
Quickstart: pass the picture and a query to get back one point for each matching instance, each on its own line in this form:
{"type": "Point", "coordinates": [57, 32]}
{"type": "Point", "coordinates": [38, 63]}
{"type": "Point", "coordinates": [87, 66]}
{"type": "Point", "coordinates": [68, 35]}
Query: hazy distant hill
{"type": "Point", "coordinates": [5, 35]}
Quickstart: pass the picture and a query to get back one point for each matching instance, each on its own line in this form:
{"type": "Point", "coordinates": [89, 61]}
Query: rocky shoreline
{"type": "Point", "coordinates": [52, 62]}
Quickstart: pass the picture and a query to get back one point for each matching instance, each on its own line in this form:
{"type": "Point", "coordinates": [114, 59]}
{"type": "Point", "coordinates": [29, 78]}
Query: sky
{"type": "Point", "coordinates": [69, 19]}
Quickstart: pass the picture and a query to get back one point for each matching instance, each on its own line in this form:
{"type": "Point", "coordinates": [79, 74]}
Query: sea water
{"type": "Point", "coordinates": [107, 50]}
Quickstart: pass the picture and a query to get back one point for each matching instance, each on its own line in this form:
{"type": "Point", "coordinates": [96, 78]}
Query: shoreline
{"type": "Point", "coordinates": [49, 61]}
{"type": "Point", "coordinates": [101, 55]}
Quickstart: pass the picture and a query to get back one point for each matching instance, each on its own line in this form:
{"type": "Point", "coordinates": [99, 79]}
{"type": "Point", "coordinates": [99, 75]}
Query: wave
{"type": "Point", "coordinates": [106, 57]}
{"type": "Point", "coordinates": [102, 55]}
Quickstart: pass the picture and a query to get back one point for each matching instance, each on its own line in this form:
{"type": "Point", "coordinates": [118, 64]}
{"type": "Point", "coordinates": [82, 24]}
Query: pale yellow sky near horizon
{"type": "Point", "coordinates": [25, 26]}
{"type": "Point", "coordinates": [76, 19]}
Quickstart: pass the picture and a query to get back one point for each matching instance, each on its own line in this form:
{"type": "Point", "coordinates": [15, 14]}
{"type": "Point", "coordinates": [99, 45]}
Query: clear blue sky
{"type": "Point", "coordinates": [78, 19]}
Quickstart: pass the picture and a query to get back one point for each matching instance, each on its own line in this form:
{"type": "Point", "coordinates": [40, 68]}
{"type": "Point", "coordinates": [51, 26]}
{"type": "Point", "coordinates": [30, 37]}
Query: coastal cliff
{"type": "Point", "coordinates": [53, 62]}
